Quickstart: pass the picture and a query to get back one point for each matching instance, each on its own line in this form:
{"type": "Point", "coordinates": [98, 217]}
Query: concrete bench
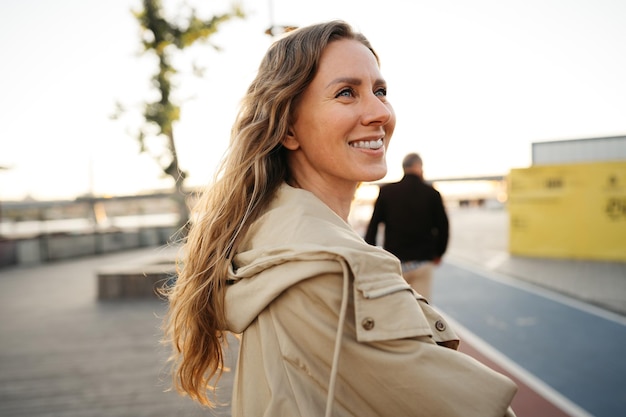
{"type": "Point", "coordinates": [135, 281]}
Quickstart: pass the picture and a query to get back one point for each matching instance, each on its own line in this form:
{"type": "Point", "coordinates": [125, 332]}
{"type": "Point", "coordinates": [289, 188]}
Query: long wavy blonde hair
{"type": "Point", "coordinates": [247, 180]}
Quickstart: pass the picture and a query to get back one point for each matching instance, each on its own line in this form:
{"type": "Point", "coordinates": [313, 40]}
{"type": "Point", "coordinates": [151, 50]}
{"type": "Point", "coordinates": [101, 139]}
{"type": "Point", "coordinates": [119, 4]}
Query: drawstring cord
{"type": "Point", "coordinates": [342, 318]}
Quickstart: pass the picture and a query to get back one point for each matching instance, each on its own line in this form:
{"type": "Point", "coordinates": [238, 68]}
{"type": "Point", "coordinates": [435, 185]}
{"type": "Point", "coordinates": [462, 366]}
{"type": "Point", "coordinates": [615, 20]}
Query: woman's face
{"type": "Point", "coordinates": [343, 121]}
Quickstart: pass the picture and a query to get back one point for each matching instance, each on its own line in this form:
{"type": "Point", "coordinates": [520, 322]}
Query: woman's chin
{"type": "Point", "coordinates": [375, 174]}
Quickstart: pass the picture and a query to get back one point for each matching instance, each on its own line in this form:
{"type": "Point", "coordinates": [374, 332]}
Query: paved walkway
{"type": "Point", "coordinates": [556, 327]}
{"type": "Point", "coordinates": [63, 353]}
{"type": "Point", "coordinates": [560, 351]}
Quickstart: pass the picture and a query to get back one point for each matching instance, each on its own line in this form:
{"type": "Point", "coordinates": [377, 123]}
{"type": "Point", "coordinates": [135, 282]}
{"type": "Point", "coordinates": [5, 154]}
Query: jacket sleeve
{"type": "Point", "coordinates": [389, 375]}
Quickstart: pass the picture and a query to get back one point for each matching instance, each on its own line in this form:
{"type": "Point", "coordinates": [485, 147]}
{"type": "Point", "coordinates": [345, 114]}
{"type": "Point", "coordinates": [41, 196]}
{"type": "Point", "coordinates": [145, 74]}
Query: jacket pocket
{"type": "Point", "coordinates": [387, 310]}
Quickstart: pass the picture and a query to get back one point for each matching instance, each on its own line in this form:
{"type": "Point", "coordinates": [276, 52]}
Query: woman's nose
{"type": "Point", "coordinates": [377, 111]}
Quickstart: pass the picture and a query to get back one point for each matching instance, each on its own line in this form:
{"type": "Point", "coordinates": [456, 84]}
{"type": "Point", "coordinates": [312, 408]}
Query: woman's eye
{"type": "Point", "coordinates": [346, 92]}
{"type": "Point", "coordinates": [381, 92]}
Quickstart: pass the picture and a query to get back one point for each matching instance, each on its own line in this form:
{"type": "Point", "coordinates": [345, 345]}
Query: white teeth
{"type": "Point", "coordinates": [371, 144]}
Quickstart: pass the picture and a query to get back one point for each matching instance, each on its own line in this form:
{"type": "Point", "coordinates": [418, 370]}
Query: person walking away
{"type": "Point", "coordinates": [416, 224]}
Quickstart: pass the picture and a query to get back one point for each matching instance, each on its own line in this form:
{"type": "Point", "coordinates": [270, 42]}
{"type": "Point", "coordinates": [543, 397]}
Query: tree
{"type": "Point", "coordinates": [163, 38]}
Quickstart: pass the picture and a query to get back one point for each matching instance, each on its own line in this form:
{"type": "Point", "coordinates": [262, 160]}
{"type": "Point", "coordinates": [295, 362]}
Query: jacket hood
{"type": "Point", "coordinates": [299, 237]}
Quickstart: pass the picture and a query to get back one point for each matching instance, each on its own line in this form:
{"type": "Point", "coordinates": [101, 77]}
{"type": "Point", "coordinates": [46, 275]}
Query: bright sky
{"type": "Point", "coordinates": [473, 83]}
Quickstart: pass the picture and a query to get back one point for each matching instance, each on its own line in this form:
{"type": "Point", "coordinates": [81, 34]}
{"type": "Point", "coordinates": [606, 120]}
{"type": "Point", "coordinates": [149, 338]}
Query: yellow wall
{"type": "Point", "coordinates": [575, 211]}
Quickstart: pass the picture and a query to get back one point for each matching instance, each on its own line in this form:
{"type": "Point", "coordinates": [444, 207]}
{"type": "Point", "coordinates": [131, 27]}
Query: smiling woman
{"type": "Point", "coordinates": [340, 124]}
{"type": "Point", "coordinates": [326, 320]}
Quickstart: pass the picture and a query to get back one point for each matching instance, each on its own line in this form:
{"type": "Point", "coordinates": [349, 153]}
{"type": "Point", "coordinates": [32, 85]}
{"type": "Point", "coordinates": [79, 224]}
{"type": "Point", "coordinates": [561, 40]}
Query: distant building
{"type": "Point", "coordinates": [579, 150]}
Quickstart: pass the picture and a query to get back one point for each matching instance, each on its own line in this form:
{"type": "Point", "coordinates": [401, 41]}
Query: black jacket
{"type": "Point", "coordinates": [416, 223]}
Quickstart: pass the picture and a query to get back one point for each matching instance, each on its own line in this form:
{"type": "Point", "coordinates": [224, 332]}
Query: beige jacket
{"type": "Point", "coordinates": [329, 327]}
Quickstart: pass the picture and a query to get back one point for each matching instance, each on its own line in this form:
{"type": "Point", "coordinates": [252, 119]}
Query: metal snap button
{"type": "Point", "coordinates": [440, 325]}
{"type": "Point", "coordinates": [368, 323]}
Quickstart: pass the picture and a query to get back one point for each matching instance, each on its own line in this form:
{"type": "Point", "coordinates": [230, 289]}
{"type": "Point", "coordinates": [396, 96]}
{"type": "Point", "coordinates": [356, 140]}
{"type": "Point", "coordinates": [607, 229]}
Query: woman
{"type": "Point", "coordinates": [328, 325]}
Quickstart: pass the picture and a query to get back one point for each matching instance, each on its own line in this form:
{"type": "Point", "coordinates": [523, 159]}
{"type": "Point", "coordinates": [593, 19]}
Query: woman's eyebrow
{"type": "Point", "coordinates": [353, 81]}
{"type": "Point", "coordinates": [345, 80]}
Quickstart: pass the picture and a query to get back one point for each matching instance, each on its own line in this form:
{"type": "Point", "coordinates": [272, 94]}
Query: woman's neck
{"type": "Point", "coordinates": [338, 198]}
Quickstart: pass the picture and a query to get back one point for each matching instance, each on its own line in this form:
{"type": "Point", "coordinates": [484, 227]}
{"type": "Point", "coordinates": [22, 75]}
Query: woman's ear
{"type": "Point", "coordinates": [290, 142]}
